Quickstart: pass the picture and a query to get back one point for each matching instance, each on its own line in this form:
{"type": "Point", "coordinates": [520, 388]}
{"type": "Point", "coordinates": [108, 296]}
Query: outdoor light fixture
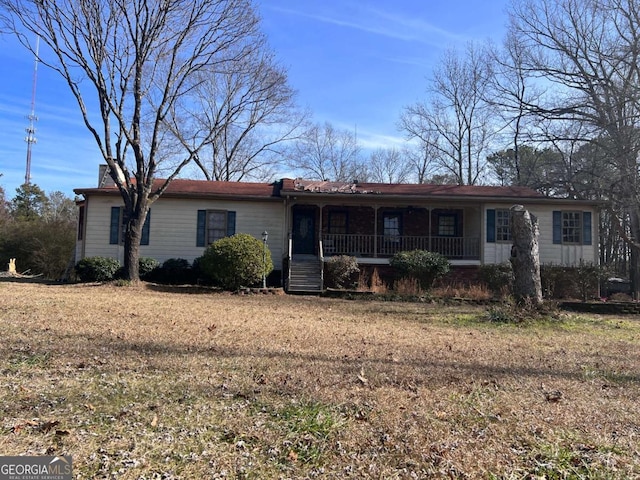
{"type": "Point", "coordinates": [265, 237]}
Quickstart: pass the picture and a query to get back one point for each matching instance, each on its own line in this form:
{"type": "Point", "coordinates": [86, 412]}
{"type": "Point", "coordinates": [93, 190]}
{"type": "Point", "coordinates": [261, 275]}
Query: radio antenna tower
{"type": "Point", "coordinates": [31, 129]}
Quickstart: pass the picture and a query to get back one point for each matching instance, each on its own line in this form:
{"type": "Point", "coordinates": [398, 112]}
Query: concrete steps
{"type": "Point", "coordinates": [306, 276]}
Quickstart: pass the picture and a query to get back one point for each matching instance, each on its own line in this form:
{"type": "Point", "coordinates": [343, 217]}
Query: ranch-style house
{"type": "Point", "coordinates": [309, 221]}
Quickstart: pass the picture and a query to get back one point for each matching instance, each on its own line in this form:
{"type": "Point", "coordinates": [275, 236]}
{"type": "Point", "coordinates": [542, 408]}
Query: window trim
{"type": "Point", "coordinates": [333, 214]}
{"type": "Point", "coordinates": [507, 212]}
{"type": "Point", "coordinates": [202, 225]}
{"type": "Point", "coordinates": [208, 228]}
{"type": "Point", "coordinates": [454, 225]}
{"type": "Point", "coordinates": [576, 228]}
{"type": "Point", "coordinates": [118, 224]}
{"type": "Point", "coordinates": [585, 229]}
{"type": "Point", "coordinates": [392, 214]}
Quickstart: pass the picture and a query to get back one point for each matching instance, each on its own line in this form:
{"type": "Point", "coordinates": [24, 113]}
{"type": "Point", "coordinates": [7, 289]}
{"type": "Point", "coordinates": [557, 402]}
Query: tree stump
{"type": "Point", "coordinates": [525, 258]}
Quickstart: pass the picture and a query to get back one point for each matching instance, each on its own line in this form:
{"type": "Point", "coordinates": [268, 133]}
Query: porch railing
{"type": "Point", "coordinates": [387, 245]}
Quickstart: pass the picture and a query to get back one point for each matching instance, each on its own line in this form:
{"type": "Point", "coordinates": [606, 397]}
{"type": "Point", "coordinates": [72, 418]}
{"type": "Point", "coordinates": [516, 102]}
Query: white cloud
{"type": "Point", "coordinates": [380, 22]}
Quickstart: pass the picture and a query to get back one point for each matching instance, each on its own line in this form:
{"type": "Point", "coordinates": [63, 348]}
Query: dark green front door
{"type": "Point", "coordinates": [304, 232]}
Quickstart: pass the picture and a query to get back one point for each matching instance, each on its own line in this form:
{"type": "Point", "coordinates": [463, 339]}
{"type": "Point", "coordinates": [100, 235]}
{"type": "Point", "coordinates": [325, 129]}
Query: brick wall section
{"type": "Point", "coordinates": [359, 219]}
{"type": "Point", "coordinates": [461, 275]}
{"type": "Point", "coordinates": [457, 276]}
{"type": "Point", "coordinates": [617, 308]}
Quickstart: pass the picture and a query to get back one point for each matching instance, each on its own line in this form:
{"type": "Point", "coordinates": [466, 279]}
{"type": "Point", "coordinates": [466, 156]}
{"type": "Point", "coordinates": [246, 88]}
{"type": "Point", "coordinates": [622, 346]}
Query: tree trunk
{"type": "Point", "coordinates": [524, 256]}
{"type": "Point", "coordinates": [132, 237]}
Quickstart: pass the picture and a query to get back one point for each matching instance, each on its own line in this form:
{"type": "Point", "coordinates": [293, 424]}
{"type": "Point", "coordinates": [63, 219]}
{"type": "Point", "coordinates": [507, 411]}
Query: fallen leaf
{"type": "Point", "coordinates": [293, 456]}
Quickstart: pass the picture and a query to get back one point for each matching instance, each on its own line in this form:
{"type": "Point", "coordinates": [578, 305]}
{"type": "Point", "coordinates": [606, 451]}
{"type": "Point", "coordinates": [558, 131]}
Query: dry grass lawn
{"type": "Point", "coordinates": [143, 382]}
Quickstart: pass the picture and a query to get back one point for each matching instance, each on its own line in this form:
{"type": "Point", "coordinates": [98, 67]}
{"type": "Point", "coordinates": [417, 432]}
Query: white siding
{"type": "Point", "coordinates": [550, 253]}
{"type": "Point", "coordinates": [173, 227]}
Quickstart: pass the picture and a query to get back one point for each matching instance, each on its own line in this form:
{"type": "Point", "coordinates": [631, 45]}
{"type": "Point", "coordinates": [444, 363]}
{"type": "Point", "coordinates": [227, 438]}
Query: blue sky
{"type": "Point", "coordinates": [355, 64]}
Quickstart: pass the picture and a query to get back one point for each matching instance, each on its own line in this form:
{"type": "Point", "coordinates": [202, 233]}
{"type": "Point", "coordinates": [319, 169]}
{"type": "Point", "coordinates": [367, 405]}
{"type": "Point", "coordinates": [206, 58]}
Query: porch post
{"type": "Point", "coordinates": [375, 231]}
{"type": "Point", "coordinates": [321, 206]}
{"type": "Point", "coordinates": [429, 226]}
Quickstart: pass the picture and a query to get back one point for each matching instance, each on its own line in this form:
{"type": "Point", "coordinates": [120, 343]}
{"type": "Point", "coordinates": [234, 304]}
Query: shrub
{"type": "Point", "coordinates": [97, 269]}
{"type": "Point", "coordinates": [508, 312]}
{"type": "Point", "coordinates": [174, 271]}
{"type": "Point", "coordinates": [581, 281]}
{"type": "Point", "coordinates": [422, 265]}
{"type": "Point", "coordinates": [146, 266]}
{"type": "Point", "coordinates": [39, 247]}
{"type": "Point", "coordinates": [497, 277]}
{"type": "Point", "coordinates": [234, 262]}
{"type": "Point", "coordinates": [341, 271]}
{"type": "Point", "coordinates": [589, 276]}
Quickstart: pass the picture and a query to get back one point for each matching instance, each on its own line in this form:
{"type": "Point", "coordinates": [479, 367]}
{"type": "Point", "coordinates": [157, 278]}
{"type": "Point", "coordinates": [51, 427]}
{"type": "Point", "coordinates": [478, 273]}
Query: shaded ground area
{"type": "Point", "coordinates": [140, 382]}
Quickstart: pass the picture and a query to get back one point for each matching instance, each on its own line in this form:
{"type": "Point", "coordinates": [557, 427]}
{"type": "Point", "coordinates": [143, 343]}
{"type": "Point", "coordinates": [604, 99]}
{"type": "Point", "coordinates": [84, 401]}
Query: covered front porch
{"type": "Point", "coordinates": [380, 231]}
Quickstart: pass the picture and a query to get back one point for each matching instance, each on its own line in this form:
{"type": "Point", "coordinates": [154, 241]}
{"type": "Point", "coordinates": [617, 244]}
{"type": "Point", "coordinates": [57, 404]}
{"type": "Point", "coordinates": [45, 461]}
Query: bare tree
{"type": "Point", "coordinates": [245, 112]}
{"type": "Point", "coordinates": [589, 50]}
{"type": "Point", "coordinates": [455, 120]}
{"type": "Point", "coordinates": [137, 60]}
{"type": "Point", "coordinates": [421, 159]}
{"type": "Point", "coordinates": [512, 90]}
{"type": "Point", "coordinates": [387, 165]}
{"type": "Point", "coordinates": [325, 153]}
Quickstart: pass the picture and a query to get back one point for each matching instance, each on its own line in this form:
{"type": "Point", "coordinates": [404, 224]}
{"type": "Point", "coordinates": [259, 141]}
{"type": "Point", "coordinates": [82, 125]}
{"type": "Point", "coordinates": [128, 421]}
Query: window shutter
{"type": "Point", "coordinates": [557, 227]}
{"type": "Point", "coordinates": [201, 230]}
{"type": "Point", "coordinates": [231, 223]}
{"type": "Point", "coordinates": [144, 239]}
{"type": "Point", "coordinates": [491, 225]}
{"type": "Point", "coordinates": [586, 228]}
{"type": "Point", "coordinates": [114, 228]}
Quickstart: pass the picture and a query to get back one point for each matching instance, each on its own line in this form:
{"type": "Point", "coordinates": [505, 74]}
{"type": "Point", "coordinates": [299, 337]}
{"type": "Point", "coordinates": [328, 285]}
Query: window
{"type": "Point", "coordinates": [81, 222]}
{"type": "Point", "coordinates": [498, 225]}
{"type": "Point", "coordinates": [118, 225]}
{"type": "Point", "coordinates": [214, 225]}
{"type": "Point", "coordinates": [391, 225]}
{"type": "Point", "coordinates": [503, 226]}
{"type": "Point", "coordinates": [571, 227]}
{"type": "Point", "coordinates": [337, 223]}
{"type": "Point", "coordinates": [447, 225]}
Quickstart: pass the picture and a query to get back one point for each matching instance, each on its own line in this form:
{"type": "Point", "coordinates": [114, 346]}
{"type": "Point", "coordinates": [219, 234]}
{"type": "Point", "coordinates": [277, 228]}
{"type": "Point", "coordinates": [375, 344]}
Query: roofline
{"type": "Point", "coordinates": [279, 195]}
{"type": "Point", "coordinates": [113, 192]}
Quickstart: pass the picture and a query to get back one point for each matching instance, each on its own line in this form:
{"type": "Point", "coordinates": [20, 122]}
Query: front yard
{"type": "Point", "coordinates": [156, 382]}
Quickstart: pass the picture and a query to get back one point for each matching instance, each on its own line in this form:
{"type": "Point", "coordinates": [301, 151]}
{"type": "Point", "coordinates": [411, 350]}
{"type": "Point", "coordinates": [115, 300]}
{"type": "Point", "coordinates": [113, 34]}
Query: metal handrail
{"type": "Point", "coordinates": [289, 258]}
{"type": "Point", "coordinates": [321, 252]}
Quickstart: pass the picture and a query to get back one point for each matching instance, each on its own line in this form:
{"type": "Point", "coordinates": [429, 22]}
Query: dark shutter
{"type": "Point", "coordinates": [144, 239]}
{"type": "Point", "coordinates": [557, 227]}
{"type": "Point", "coordinates": [201, 230]}
{"type": "Point", "coordinates": [231, 223]}
{"type": "Point", "coordinates": [586, 228]}
{"type": "Point", "coordinates": [114, 228]}
{"type": "Point", "coordinates": [491, 225]}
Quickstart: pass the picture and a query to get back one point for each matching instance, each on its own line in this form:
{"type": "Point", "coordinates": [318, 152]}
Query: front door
{"type": "Point", "coordinates": [304, 232]}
